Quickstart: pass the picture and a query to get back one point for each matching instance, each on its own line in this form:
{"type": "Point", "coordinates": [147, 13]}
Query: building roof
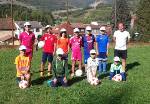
{"type": "Point", "coordinates": [5, 24]}
{"type": "Point", "coordinates": [35, 24]}
{"type": "Point", "coordinates": [78, 25]}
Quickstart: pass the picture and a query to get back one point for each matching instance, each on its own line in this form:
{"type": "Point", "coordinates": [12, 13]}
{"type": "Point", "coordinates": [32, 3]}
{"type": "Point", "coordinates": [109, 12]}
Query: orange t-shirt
{"type": "Point", "coordinates": [23, 63]}
{"type": "Point", "coordinates": [63, 43]}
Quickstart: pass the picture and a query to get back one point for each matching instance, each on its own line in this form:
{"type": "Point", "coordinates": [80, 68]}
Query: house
{"type": "Point", "coordinates": [37, 27]}
{"type": "Point", "coordinates": [6, 32]}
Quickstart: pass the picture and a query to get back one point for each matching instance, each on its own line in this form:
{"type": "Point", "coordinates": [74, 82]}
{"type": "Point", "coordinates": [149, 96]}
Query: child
{"type": "Point", "coordinates": [92, 64]}
{"type": "Point", "coordinates": [75, 44]}
{"type": "Point", "coordinates": [48, 49]}
{"type": "Point", "coordinates": [23, 66]}
{"type": "Point", "coordinates": [102, 45]}
{"type": "Point", "coordinates": [63, 42]}
{"type": "Point", "coordinates": [88, 44]}
{"type": "Point", "coordinates": [116, 68]}
{"type": "Point", "coordinates": [60, 70]}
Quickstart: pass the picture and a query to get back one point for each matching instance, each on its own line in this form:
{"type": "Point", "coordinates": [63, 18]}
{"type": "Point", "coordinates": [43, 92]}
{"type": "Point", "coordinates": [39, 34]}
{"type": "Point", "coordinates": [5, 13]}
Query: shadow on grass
{"type": "Point", "coordinates": [75, 80]}
{"type": "Point", "coordinates": [39, 81]}
{"type": "Point", "coordinates": [132, 65]}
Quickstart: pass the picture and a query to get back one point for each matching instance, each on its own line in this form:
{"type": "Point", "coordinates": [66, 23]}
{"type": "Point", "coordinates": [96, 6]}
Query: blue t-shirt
{"type": "Point", "coordinates": [102, 41]}
{"type": "Point", "coordinates": [88, 43]}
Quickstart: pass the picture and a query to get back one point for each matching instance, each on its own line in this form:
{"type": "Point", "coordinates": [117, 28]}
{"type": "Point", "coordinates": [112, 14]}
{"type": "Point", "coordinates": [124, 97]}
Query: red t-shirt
{"type": "Point", "coordinates": [50, 40]}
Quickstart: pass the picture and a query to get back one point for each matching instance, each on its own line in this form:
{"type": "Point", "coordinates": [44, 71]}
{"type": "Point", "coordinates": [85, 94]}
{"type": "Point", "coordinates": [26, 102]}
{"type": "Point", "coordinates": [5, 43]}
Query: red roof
{"type": "Point", "coordinates": [65, 25]}
{"type": "Point", "coordinates": [5, 24]}
{"type": "Point", "coordinates": [78, 25]}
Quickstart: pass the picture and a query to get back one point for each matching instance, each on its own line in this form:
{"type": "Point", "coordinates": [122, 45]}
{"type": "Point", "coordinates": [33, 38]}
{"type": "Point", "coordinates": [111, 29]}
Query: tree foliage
{"type": "Point", "coordinates": [122, 12]}
{"type": "Point", "coordinates": [24, 14]}
{"type": "Point", "coordinates": [143, 18]}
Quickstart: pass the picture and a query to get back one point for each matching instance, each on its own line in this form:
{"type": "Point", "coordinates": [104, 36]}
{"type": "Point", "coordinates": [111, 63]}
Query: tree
{"type": "Point", "coordinates": [143, 19]}
{"type": "Point", "coordinates": [122, 11]}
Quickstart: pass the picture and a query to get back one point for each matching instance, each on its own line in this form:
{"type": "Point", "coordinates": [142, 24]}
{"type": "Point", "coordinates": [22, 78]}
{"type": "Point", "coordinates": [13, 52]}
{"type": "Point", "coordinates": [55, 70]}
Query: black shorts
{"type": "Point", "coordinates": [120, 53]}
{"type": "Point", "coordinates": [46, 56]}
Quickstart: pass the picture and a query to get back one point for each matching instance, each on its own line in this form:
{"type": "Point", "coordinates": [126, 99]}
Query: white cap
{"type": "Point", "coordinates": [22, 47]}
{"type": "Point", "coordinates": [103, 28]}
{"type": "Point", "coordinates": [63, 30]}
{"type": "Point", "coordinates": [76, 30]}
{"type": "Point", "coordinates": [88, 28]}
{"type": "Point", "coordinates": [48, 26]}
{"type": "Point", "coordinates": [27, 24]}
{"type": "Point", "coordinates": [92, 51]}
{"type": "Point", "coordinates": [116, 58]}
{"type": "Point", "coordinates": [59, 51]}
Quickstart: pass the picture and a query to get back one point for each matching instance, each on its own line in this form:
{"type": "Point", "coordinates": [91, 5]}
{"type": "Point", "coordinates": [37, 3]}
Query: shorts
{"type": "Point", "coordinates": [76, 55]}
{"type": "Point", "coordinates": [120, 53]}
{"type": "Point", "coordinates": [46, 56]}
{"type": "Point", "coordinates": [102, 56]}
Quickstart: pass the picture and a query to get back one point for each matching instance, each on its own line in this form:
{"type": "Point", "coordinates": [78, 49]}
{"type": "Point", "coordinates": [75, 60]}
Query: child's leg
{"type": "Point", "coordinates": [111, 75]}
{"type": "Point", "coordinates": [123, 74]}
{"type": "Point", "coordinates": [63, 82]}
{"type": "Point", "coordinates": [73, 66]}
{"type": "Point", "coordinates": [18, 79]}
{"type": "Point", "coordinates": [104, 64]}
{"type": "Point", "coordinates": [80, 64]}
{"type": "Point", "coordinates": [50, 59]}
{"type": "Point", "coordinates": [44, 59]}
{"type": "Point", "coordinates": [28, 78]}
{"type": "Point", "coordinates": [100, 66]}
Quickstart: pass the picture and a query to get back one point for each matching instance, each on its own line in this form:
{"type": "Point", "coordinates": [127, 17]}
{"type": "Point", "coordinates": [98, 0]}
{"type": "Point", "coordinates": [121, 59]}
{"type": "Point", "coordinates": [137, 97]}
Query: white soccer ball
{"type": "Point", "coordinates": [41, 44]}
{"type": "Point", "coordinates": [117, 78]}
{"type": "Point", "coordinates": [23, 84]}
{"type": "Point", "coordinates": [78, 72]}
{"type": "Point", "coordinates": [94, 81]}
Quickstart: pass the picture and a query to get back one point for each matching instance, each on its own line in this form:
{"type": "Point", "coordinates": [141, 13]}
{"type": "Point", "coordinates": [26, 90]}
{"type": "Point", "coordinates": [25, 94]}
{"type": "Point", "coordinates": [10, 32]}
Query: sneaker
{"type": "Point", "coordinates": [42, 74]}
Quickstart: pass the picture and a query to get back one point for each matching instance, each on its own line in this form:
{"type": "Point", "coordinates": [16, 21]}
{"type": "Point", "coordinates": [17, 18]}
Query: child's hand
{"type": "Point", "coordinates": [22, 77]}
{"type": "Point", "coordinates": [55, 80]}
{"type": "Point", "coordinates": [65, 80]}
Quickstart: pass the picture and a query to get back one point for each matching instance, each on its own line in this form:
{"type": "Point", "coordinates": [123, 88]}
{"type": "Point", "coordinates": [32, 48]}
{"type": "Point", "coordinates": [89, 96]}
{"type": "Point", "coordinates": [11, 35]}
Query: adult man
{"type": "Point", "coordinates": [27, 38]}
{"type": "Point", "coordinates": [121, 38]}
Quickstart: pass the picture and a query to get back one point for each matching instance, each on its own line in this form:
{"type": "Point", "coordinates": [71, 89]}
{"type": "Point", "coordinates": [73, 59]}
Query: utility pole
{"type": "Point", "coordinates": [115, 3]}
{"type": "Point", "coordinates": [67, 8]}
{"type": "Point", "coordinates": [12, 22]}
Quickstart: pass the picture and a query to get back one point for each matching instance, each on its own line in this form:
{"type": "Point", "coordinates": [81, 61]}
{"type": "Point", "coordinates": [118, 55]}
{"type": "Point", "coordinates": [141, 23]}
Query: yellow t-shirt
{"type": "Point", "coordinates": [23, 63]}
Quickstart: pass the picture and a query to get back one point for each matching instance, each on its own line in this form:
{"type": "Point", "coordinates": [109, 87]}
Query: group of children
{"type": "Point", "coordinates": [56, 50]}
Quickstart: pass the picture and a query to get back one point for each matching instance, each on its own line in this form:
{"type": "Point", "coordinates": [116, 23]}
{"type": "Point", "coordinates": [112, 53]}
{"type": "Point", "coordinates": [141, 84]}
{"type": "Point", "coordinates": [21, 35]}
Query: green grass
{"type": "Point", "coordinates": [134, 91]}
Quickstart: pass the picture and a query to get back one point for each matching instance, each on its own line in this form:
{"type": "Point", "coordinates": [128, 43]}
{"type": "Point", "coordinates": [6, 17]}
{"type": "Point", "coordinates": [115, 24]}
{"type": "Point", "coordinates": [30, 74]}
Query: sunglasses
{"type": "Point", "coordinates": [93, 54]}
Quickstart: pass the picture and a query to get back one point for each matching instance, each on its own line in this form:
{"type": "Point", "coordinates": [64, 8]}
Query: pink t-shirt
{"type": "Point", "coordinates": [27, 39]}
{"type": "Point", "coordinates": [75, 43]}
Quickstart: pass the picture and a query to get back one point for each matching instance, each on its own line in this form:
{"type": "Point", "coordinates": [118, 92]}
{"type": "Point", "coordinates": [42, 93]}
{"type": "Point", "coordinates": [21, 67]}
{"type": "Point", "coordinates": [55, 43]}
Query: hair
{"type": "Point", "coordinates": [62, 33]}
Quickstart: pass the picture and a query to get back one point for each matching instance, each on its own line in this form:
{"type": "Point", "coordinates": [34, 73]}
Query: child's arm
{"type": "Point", "coordinates": [112, 68]}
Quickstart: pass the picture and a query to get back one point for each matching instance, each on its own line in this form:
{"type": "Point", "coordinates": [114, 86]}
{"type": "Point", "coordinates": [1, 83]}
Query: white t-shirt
{"type": "Point", "coordinates": [121, 39]}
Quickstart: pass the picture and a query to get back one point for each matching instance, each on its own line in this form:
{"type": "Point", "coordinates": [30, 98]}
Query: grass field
{"type": "Point", "coordinates": [136, 90]}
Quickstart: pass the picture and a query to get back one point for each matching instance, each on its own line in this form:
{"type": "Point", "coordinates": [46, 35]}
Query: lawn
{"type": "Point", "coordinates": [134, 91]}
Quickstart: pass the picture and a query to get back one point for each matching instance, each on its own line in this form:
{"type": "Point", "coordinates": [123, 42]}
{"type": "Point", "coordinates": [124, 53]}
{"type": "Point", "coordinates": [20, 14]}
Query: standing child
{"type": "Point", "coordinates": [63, 42]}
{"type": "Point", "coordinates": [92, 64]}
{"type": "Point", "coordinates": [48, 49]}
{"type": "Point", "coordinates": [102, 45]}
{"type": "Point", "coordinates": [23, 66]}
{"type": "Point", "coordinates": [88, 44]}
{"type": "Point", "coordinates": [75, 44]}
{"type": "Point", "coordinates": [116, 68]}
{"type": "Point", "coordinates": [60, 70]}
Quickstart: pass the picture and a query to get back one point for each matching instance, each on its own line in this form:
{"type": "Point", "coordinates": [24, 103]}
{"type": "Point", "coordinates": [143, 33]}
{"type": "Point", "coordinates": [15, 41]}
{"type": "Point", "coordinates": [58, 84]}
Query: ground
{"type": "Point", "coordinates": [134, 91]}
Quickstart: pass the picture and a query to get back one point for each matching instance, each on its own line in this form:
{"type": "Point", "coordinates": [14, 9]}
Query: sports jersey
{"type": "Point", "coordinates": [117, 69]}
{"type": "Point", "coordinates": [50, 40]}
{"type": "Point", "coordinates": [102, 41]}
{"type": "Point", "coordinates": [63, 43]}
{"type": "Point", "coordinates": [23, 63]}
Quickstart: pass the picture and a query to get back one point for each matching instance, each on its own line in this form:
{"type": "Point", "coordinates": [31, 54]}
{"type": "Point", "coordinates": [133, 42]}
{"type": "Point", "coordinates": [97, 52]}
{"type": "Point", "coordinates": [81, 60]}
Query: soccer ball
{"type": "Point", "coordinates": [41, 44]}
{"type": "Point", "coordinates": [94, 81]}
{"type": "Point", "coordinates": [23, 84]}
{"type": "Point", "coordinates": [117, 78]}
{"type": "Point", "coordinates": [78, 72]}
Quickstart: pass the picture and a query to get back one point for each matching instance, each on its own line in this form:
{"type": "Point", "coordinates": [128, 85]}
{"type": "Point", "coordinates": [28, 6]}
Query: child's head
{"type": "Point", "coordinates": [63, 32]}
{"type": "Point", "coordinates": [76, 32]}
{"type": "Point", "coordinates": [22, 50]}
{"type": "Point", "coordinates": [59, 53]}
{"type": "Point", "coordinates": [93, 54]}
{"type": "Point", "coordinates": [116, 60]}
{"type": "Point", "coordinates": [103, 30]}
{"type": "Point", "coordinates": [88, 30]}
{"type": "Point", "coordinates": [48, 29]}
